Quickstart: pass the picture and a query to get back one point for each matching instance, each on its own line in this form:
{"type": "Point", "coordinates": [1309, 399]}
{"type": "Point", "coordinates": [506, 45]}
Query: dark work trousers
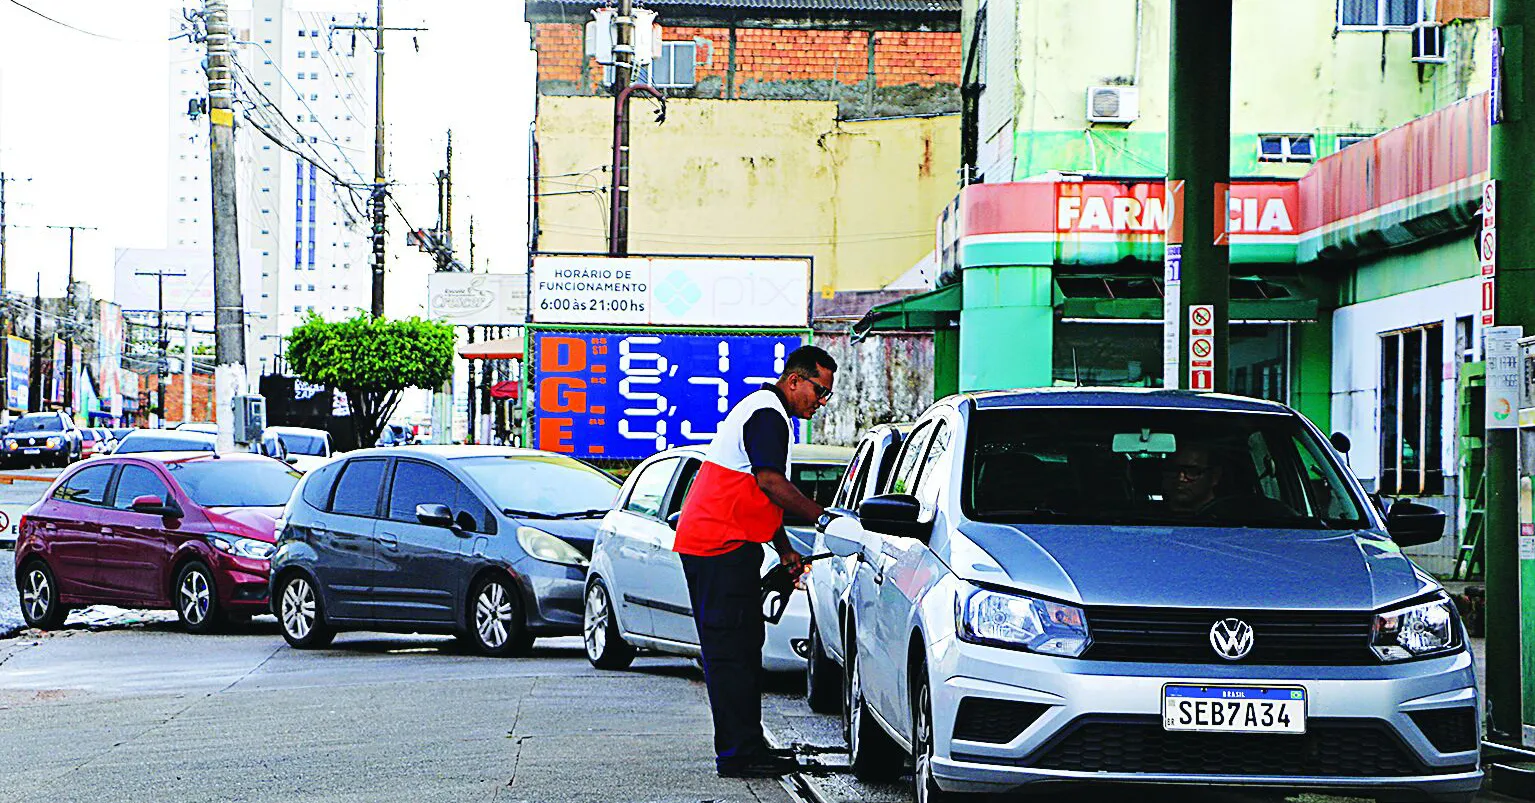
{"type": "Point", "coordinates": [727, 606]}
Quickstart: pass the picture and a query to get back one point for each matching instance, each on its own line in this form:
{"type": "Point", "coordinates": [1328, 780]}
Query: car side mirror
{"type": "Point", "coordinates": [1414, 523]}
{"type": "Point", "coordinates": [1340, 442]}
{"type": "Point", "coordinates": [290, 460]}
{"type": "Point", "coordinates": [895, 514]}
{"type": "Point", "coordinates": [155, 506]}
{"type": "Point", "coordinates": [674, 519]}
{"type": "Point", "coordinates": [434, 515]}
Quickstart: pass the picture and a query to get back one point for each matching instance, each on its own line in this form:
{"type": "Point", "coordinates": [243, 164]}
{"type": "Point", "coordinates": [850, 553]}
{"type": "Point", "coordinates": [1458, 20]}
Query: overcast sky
{"type": "Point", "coordinates": [83, 126]}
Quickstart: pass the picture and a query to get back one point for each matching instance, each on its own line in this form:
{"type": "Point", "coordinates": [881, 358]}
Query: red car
{"type": "Point", "coordinates": [187, 531]}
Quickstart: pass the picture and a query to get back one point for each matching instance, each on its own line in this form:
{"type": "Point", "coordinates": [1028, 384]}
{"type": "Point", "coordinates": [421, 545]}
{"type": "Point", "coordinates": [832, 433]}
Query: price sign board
{"type": "Point", "coordinates": [670, 291]}
{"type": "Point", "coordinates": [629, 394]}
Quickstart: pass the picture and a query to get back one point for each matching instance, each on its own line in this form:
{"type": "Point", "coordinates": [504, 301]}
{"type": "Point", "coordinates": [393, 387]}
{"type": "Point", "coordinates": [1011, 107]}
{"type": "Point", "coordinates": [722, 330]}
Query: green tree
{"type": "Point", "coordinates": [371, 360]}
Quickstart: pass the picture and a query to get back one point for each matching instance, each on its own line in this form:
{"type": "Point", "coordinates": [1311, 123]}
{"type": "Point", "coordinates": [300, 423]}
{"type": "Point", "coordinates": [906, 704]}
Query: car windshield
{"type": "Point", "coordinates": [37, 423]}
{"type": "Point", "coordinates": [236, 483]}
{"type": "Point", "coordinates": [540, 484]}
{"type": "Point", "coordinates": [1132, 466]}
{"type": "Point", "coordinates": [146, 442]}
{"type": "Point", "coordinates": [298, 443]}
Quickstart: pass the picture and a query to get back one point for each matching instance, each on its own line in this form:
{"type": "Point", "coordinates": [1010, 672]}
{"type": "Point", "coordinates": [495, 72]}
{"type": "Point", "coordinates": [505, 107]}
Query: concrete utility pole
{"type": "Point", "coordinates": [71, 325]}
{"type": "Point", "coordinates": [1198, 186]}
{"type": "Point", "coordinates": [1513, 151]}
{"type": "Point", "coordinates": [5, 313]}
{"type": "Point", "coordinates": [624, 64]}
{"type": "Point", "coordinates": [380, 186]}
{"type": "Point", "coordinates": [35, 389]}
{"type": "Point", "coordinates": [228, 301]}
{"type": "Point", "coordinates": [186, 369]}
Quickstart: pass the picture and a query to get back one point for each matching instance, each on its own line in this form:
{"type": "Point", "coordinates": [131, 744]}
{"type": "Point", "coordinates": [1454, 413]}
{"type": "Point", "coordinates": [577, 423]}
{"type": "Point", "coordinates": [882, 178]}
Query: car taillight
{"type": "Point", "coordinates": [21, 525]}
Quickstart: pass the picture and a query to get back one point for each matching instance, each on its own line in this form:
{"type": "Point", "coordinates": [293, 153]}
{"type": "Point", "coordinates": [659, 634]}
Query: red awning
{"type": "Point", "coordinates": [509, 348]}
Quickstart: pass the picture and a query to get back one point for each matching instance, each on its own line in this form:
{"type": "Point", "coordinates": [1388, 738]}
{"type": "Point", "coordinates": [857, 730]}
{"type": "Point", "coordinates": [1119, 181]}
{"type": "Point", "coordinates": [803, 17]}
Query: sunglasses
{"type": "Point", "coordinates": [821, 391]}
{"type": "Point", "coordinates": [1191, 473]}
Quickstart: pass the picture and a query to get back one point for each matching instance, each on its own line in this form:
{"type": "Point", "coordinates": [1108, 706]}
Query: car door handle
{"type": "Point", "coordinates": [107, 531]}
{"type": "Point", "coordinates": [50, 526]}
{"type": "Point", "coordinates": [389, 540]}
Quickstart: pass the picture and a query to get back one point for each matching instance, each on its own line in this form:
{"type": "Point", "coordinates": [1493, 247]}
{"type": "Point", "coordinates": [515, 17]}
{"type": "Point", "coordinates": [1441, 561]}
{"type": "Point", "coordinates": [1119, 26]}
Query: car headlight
{"type": "Point", "coordinates": [551, 548]}
{"type": "Point", "coordinates": [243, 547]}
{"type": "Point", "coordinates": [53, 443]}
{"type": "Point", "coordinates": [1012, 620]}
{"type": "Point", "coordinates": [11, 445]}
{"type": "Point", "coordinates": [1417, 630]}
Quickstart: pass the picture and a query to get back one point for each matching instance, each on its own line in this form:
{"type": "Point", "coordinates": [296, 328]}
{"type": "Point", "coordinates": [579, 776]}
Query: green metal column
{"type": "Point", "coordinates": [1199, 171]}
{"type": "Point", "coordinates": [1513, 151]}
{"type": "Point", "coordinates": [945, 361]}
{"type": "Point", "coordinates": [1008, 322]}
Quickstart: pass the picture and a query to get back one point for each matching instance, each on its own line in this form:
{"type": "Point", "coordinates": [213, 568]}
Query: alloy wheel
{"type": "Point", "coordinates": [855, 707]}
{"type": "Point", "coordinates": [195, 597]}
{"type": "Point", "coordinates": [595, 626]}
{"type": "Point", "coordinates": [493, 615]}
{"type": "Point", "coordinates": [922, 750]}
{"type": "Point", "coordinates": [37, 596]}
{"type": "Point", "coordinates": [298, 608]}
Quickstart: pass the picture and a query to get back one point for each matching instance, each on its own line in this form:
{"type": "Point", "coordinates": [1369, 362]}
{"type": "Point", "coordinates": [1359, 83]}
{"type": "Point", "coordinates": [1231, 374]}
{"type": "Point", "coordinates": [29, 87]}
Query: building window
{"type": "Point", "coordinates": [314, 76]}
{"type": "Point", "coordinates": [297, 308]}
{"type": "Point", "coordinates": [314, 54]}
{"type": "Point", "coordinates": [1285, 148]}
{"type": "Point", "coordinates": [301, 53]}
{"type": "Point", "coordinates": [675, 66]}
{"type": "Point", "coordinates": [314, 97]}
{"type": "Point", "coordinates": [300, 77]}
{"type": "Point", "coordinates": [1411, 400]}
{"type": "Point", "coordinates": [1345, 140]}
{"type": "Point", "coordinates": [1378, 14]}
{"type": "Point", "coordinates": [300, 33]}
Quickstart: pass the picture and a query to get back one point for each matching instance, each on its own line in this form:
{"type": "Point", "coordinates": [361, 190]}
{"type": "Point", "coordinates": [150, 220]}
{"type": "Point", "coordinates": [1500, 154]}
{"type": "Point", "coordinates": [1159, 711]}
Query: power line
{"type": "Point", "coordinates": [26, 7]}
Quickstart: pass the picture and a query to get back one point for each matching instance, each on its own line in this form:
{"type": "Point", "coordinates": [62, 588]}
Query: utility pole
{"type": "Point", "coordinates": [1197, 266]}
{"type": "Point", "coordinates": [440, 243]}
{"type": "Point", "coordinates": [72, 324]}
{"type": "Point", "coordinates": [162, 340]}
{"type": "Point", "coordinates": [35, 388]}
{"type": "Point", "coordinates": [186, 369]}
{"type": "Point", "coordinates": [5, 311]}
{"type": "Point", "coordinates": [228, 301]}
{"type": "Point", "coordinates": [1513, 150]}
{"type": "Point", "coordinates": [380, 186]}
{"type": "Point", "coordinates": [624, 63]}
{"type": "Point", "coordinates": [471, 243]}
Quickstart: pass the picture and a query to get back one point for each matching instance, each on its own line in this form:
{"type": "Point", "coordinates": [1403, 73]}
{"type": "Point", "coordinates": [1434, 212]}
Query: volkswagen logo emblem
{"type": "Point", "coordinates": [1232, 639]}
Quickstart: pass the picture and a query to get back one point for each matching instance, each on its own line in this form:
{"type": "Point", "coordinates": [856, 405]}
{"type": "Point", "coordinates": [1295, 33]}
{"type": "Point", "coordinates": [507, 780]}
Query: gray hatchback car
{"type": "Point", "coordinates": [488, 543]}
{"type": "Point", "coordinates": [1146, 587]}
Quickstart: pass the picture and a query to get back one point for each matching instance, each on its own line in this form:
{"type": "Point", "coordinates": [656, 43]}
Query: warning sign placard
{"type": "Point", "coordinates": [1201, 347]}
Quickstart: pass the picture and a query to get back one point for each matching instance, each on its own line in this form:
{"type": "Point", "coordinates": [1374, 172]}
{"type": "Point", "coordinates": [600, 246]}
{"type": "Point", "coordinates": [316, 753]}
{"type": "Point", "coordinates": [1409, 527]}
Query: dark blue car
{"type": "Point", "coordinates": [488, 543]}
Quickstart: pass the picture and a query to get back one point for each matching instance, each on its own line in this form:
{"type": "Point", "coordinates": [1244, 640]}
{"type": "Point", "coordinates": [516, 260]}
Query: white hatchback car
{"type": "Point", "coordinates": [636, 594]}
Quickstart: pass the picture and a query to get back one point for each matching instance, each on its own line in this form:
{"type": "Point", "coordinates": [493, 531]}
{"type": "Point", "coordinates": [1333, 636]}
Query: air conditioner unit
{"type": "Point", "coordinates": [1428, 43]}
{"type": "Point", "coordinates": [1113, 104]}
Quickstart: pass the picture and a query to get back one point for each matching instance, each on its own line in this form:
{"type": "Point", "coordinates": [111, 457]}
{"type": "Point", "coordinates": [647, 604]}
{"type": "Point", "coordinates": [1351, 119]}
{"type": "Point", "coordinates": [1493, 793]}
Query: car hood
{"type": "Point", "coordinates": [259, 523]}
{"type": "Point", "coordinates": [579, 533]}
{"type": "Point", "coordinates": [1192, 567]}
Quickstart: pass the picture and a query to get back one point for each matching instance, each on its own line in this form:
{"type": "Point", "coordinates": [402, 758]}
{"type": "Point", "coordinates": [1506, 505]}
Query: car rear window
{"type": "Point", "coordinates": [317, 485]}
{"type": "Point", "coordinates": [358, 489]}
{"type": "Point", "coordinates": [236, 483]}
{"type": "Point", "coordinates": [302, 444]}
{"type": "Point", "coordinates": [139, 442]}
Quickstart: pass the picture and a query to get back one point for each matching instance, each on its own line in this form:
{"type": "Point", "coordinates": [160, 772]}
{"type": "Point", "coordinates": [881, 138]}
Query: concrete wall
{"type": "Point", "coordinates": [759, 178]}
{"type": "Point", "coordinates": [885, 378]}
{"type": "Point", "coordinates": [1293, 72]}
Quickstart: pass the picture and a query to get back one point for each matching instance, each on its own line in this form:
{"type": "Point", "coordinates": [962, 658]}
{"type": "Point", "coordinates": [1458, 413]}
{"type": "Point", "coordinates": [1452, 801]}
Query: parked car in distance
{"type": "Point", "coordinates": [490, 544]}
{"type": "Point", "coordinates": [38, 439]}
{"type": "Point", "coordinates": [302, 447]}
{"type": "Point", "coordinates": [95, 442]}
{"type": "Point", "coordinates": [827, 580]}
{"type": "Point", "coordinates": [395, 435]}
{"type": "Point", "coordinates": [189, 532]}
{"type": "Point", "coordinates": [636, 593]}
{"type": "Point", "coordinates": [166, 440]}
{"type": "Point", "coordinates": [1135, 586]}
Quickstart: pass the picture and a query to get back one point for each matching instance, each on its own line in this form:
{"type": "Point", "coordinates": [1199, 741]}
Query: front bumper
{"type": "Point", "coordinates": [556, 595]}
{"type": "Point", "coordinates": [781, 649]}
{"type": "Point", "coordinates": [243, 583]}
{"type": "Point", "coordinates": [1101, 721]}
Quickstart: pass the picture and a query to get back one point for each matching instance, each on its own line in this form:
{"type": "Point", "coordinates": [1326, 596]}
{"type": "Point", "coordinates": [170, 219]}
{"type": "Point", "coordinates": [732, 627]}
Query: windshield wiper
{"type": "Point", "coordinates": [582, 514]}
{"type": "Point", "coordinates": [1025, 511]}
{"type": "Point", "coordinates": [527, 514]}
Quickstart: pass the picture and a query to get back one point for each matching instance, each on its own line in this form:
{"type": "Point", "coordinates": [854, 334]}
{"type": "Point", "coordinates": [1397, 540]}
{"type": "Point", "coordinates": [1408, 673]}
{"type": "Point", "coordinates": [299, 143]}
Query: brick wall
{"type": "Point", "coordinates": [768, 56]}
{"type": "Point", "coordinates": [202, 397]}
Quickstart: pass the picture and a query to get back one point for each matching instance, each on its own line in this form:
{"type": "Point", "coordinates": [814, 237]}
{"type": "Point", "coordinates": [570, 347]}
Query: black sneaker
{"type": "Point", "coordinates": [759, 766]}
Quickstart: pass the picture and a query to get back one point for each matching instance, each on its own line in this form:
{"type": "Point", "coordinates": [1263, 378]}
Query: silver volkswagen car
{"type": "Point", "coordinates": [1147, 587]}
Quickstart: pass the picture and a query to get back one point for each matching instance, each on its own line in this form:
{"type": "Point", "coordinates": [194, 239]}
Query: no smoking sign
{"type": "Point", "coordinates": [1201, 347]}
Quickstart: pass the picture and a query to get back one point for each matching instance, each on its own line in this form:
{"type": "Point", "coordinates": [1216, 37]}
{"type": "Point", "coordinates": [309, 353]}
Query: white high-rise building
{"type": "Point", "coordinates": [303, 84]}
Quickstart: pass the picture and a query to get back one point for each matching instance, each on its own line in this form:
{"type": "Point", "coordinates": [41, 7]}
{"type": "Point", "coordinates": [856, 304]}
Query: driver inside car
{"type": "Point", "coordinates": [1189, 478]}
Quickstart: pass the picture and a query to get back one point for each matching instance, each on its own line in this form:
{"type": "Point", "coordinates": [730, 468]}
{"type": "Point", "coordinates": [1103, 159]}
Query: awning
{"type": "Point", "coordinates": [507, 348]}
{"type": "Point", "coordinates": [1253, 298]}
{"type": "Point", "coordinates": [934, 309]}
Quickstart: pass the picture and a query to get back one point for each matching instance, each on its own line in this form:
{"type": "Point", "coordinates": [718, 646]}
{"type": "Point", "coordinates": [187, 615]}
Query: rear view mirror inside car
{"type": "Point", "coordinates": [1145, 442]}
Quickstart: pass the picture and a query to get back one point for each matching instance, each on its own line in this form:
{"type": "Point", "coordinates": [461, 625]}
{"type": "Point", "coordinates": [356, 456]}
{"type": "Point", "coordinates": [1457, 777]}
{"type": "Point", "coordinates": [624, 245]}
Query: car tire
{"type": "Point", "coordinates": [39, 593]}
{"type": "Point", "coordinates": [301, 613]}
{"type": "Point", "coordinates": [873, 756]}
{"type": "Point", "coordinates": [496, 624]}
{"type": "Point", "coordinates": [924, 788]}
{"type": "Point", "coordinates": [604, 642]}
{"type": "Point", "coordinates": [197, 600]}
{"type": "Point", "coordinates": [823, 678]}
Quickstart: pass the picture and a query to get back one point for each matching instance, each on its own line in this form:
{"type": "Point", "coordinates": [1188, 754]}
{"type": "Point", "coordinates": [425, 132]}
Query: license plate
{"type": "Point", "coordinates": [30, 451]}
{"type": "Point", "coordinates": [1234, 709]}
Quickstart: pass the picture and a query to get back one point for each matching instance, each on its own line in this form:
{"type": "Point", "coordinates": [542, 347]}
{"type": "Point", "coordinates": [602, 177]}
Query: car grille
{"type": "Point", "coordinates": [1329, 748]}
{"type": "Point", "coordinates": [1182, 636]}
{"type": "Point", "coordinates": [982, 719]}
{"type": "Point", "coordinates": [1449, 730]}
